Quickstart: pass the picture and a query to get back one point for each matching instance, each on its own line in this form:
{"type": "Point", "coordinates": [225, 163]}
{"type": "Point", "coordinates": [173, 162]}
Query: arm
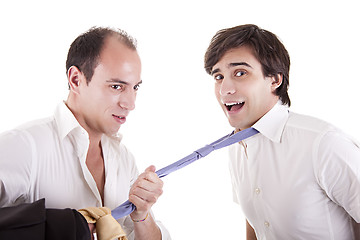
{"type": "Point", "coordinates": [144, 193]}
{"type": "Point", "coordinates": [337, 172]}
{"type": "Point", "coordinates": [250, 233]}
{"type": "Point", "coordinates": [15, 167]}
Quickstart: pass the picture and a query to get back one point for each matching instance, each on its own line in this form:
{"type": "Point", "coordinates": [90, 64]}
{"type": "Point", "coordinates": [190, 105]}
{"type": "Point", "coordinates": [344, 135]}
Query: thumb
{"type": "Point", "coordinates": [151, 168]}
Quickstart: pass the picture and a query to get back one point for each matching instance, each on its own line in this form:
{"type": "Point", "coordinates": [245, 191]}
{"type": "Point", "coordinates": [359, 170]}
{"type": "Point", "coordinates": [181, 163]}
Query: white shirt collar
{"type": "Point", "coordinates": [272, 124]}
{"type": "Point", "coordinates": [66, 123]}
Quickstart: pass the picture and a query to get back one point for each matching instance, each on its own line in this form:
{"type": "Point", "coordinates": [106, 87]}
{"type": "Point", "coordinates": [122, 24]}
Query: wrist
{"type": "Point", "coordinates": [138, 218]}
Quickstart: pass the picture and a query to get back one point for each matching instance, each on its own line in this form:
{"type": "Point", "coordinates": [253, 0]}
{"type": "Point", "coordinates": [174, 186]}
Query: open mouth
{"type": "Point", "coordinates": [234, 106]}
{"type": "Point", "coordinates": [119, 117]}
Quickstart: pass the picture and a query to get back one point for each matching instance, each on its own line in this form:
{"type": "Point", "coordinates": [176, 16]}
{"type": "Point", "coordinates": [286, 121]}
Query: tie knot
{"type": "Point", "coordinates": [205, 150]}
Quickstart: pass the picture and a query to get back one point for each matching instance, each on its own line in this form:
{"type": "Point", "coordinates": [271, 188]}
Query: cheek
{"type": "Point", "coordinates": [217, 90]}
{"type": "Point", "coordinates": [217, 93]}
{"type": "Point", "coordinates": [105, 97]}
{"type": "Point", "coordinates": [262, 99]}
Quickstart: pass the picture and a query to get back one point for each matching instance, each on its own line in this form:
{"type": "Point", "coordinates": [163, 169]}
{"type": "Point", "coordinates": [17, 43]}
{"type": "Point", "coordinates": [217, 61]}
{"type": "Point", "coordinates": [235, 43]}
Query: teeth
{"type": "Point", "coordinates": [118, 116]}
{"type": "Point", "coordinates": [232, 104]}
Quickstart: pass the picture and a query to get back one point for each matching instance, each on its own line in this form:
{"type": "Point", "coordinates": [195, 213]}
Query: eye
{"type": "Point", "coordinates": [117, 87]}
{"type": "Point", "coordinates": [218, 77]}
{"type": "Point", "coordinates": [240, 73]}
{"type": "Point", "coordinates": [136, 87]}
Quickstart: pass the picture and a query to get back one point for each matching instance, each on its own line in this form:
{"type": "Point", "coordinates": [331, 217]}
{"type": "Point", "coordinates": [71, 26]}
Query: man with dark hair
{"type": "Point", "coordinates": [75, 159]}
{"type": "Point", "coordinates": [299, 177]}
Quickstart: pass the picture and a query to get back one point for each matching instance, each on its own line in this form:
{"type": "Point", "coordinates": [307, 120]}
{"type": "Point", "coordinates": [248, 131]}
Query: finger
{"type": "Point", "coordinates": [151, 168]}
{"type": "Point", "coordinates": [146, 195]}
{"type": "Point", "coordinates": [152, 177]}
{"type": "Point", "coordinates": [148, 176]}
{"type": "Point", "coordinates": [150, 183]}
{"type": "Point", "coordinates": [141, 204]}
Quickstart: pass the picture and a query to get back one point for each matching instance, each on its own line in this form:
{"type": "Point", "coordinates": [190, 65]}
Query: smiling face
{"type": "Point", "coordinates": [244, 93]}
{"type": "Point", "coordinates": [103, 104]}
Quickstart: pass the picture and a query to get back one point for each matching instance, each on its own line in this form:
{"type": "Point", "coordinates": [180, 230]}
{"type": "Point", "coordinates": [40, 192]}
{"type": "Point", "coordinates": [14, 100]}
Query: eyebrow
{"type": "Point", "coordinates": [116, 80]}
{"type": "Point", "coordinates": [239, 63]}
{"type": "Point", "coordinates": [232, 65]}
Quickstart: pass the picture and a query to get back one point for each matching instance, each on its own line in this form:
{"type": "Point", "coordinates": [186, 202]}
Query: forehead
{"type": "Point", "coordinates": [117, 61]}
{"type": "Point", "coordinates": [243, 54]}
{"type": "Point", "coordinates": [115, 50]}
{"type": "Point", "coordinates": [116, 56]}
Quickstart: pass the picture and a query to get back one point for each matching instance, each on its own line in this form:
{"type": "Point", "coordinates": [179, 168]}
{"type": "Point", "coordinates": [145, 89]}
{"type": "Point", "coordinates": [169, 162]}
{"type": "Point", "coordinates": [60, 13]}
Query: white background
{"type": "Point", "coordinates": [176, 109]}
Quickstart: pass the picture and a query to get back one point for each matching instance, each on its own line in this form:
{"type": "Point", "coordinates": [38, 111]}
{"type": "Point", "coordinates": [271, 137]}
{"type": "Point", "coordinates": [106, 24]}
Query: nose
{"type": "Point", "coordinates": [127, 100]}
{"type": "Point", "coordinates": [227, 87]}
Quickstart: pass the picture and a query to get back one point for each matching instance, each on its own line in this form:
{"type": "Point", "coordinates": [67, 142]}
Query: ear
{"type": "Point", "coordinates": [276, 81]}
{"type": "Point", "coordinates": [75, 77]}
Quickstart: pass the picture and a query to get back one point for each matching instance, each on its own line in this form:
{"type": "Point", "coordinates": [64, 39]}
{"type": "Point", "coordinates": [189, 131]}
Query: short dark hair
{"type": "Point", "coordinates": [267, 49]}
{"type": "Point", "coordinates": [85, 50]}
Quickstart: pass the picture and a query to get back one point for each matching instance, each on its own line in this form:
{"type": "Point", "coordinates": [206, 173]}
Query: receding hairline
{"type": "Point", "coordinates": [126, 41]}
{"type": "Point", "coordinates": [123, 37]}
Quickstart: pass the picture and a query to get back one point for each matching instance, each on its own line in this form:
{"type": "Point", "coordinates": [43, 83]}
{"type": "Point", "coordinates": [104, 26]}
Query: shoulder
{"type": "Point", "coordinates": [326, 132]}
{"type": "Point", "coordinates": [316, 135]}
{"type": "Point", "coordinates": [301, 122]}
{"type": "Point", "coordinates": [328, 143]}
{"type": "Point", "coordinates": [36, 133]}
{"type": "Point", "coordinates": [38, 126]}
{"type": "Point", "coordinates": [35, 127]}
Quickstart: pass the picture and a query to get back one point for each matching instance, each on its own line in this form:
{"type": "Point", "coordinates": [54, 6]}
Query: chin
{"type": "Point", "coordinates": [232, 124]}
{"type": "Point", "coordinates": [112, 131]}
{"type": "Point", "coordinates": [237, 125]}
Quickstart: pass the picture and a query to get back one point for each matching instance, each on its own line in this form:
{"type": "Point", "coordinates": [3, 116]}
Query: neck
{"type": "Point", "coordinates": [95, 142]}
{"type": "Point", "coordinates": [94, 137]}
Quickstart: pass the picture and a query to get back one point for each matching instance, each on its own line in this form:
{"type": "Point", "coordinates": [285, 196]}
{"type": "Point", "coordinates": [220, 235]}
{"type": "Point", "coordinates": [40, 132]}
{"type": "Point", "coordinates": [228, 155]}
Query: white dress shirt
{"type": "Point", "coordinates": [46, 159]}
{"type": "Point", "coordinates": [299, 178]}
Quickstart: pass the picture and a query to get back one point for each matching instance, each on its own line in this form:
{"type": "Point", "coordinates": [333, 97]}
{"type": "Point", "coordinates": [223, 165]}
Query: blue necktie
{"type": "Point", "coordinates": [127, 207]}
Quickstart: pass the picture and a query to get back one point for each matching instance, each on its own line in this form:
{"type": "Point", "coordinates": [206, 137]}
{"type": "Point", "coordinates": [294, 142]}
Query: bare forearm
{"type": "Point", "coordinates": [147, 230]}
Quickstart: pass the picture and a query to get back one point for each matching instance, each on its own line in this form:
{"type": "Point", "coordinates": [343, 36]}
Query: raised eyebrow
{"type": "Point", "coordinates": [232, 65]}
{"type": "Point", "coordinates": [214, 71]}
{"type": "Point", "coordinates": [239, 64]}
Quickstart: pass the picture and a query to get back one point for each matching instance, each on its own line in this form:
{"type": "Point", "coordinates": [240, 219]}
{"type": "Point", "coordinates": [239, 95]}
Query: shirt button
{"type": "Point", "coordinates": [257, 191]}
{"type": "Point", "coordinates": [267, 224]}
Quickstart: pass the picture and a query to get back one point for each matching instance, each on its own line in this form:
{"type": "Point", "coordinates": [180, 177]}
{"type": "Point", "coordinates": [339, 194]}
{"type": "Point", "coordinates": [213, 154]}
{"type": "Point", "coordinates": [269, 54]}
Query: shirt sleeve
{"type": "Point", "coordinates": [15, 167]}
{"type": "Point", "coordinates": [339, 171]}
